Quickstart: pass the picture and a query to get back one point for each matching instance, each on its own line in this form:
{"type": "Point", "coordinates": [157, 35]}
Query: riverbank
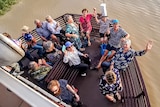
{"type": "Point", "coordinates": [5, 5]}
{"type": "Point", "coordinates": [140, 18]}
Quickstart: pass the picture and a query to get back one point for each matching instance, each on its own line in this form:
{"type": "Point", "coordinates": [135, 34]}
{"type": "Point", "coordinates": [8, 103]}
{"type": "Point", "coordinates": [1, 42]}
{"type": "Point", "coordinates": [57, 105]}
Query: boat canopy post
{"type": "Point", "coordinates": [103, 9]}
{"type": "Point", "coordinates": [10, 52]}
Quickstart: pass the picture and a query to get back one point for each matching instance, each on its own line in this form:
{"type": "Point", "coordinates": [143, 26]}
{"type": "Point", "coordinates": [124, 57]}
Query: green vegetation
{"type": "Point", "coordinates": [5, 5]}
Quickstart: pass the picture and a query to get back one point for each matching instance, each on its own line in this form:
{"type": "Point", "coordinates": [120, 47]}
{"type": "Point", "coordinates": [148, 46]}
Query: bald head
{"type": "Point", "coordinates": [37, 22]}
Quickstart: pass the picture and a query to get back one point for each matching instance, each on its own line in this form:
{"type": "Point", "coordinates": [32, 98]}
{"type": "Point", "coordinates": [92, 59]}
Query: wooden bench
{"type": "Point", "coordinates": [134, 91]}
{"type": "Point", "coordinates": [62, 71]}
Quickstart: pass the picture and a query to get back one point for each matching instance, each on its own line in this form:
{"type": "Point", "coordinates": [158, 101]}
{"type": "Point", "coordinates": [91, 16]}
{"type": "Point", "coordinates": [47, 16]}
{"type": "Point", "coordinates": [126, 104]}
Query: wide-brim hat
{"type": "Point", "coordinates": [25, 28]}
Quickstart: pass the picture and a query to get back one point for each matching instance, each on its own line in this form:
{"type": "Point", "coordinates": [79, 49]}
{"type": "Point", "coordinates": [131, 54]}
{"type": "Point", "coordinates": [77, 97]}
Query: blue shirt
{"type": "Point", "coordinates": [43, 31]}
{"type": "Point", "coordinates": [65, 94]}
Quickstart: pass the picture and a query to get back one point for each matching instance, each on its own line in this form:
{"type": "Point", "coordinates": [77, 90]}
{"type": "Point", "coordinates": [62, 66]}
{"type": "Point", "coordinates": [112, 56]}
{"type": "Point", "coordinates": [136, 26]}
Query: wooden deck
{"type": "Point", "coordinates": [134, 93]}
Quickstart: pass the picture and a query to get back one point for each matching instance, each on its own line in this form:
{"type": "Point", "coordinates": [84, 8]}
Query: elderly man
{"type": "Point", "coordinates": [124, 56]}
{"type": "Point", "coordinates": [43, 32]}
{"type": "Point", "coordinates": [39, 70]}
{"type": "Point", "coordinates": [117, 34]}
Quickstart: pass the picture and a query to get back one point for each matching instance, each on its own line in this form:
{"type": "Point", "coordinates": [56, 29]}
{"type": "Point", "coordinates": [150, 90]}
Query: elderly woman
{"type": "Point", "coordinates": [62, 90]}
{"type": "Point", "coordinates": [39, 70]}
{"type": "Point", "coordinates": [110, 84]}
{"type": "Point", "coordinates": [72, 32]}
{"type": "Point", "coordinates": [72, 56]}
{"type": "Point", "coordinates": [85, 23]}
{"type": "Point", "coordinates": [54, 27]}
{"type": "Point", "coordinates": [31, 41]}
{"type": "Point", "coordinates": [124, 56]}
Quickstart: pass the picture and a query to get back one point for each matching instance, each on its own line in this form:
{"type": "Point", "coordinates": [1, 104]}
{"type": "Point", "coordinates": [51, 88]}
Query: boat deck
{"type": "Point", "coordinates": [134, 93]}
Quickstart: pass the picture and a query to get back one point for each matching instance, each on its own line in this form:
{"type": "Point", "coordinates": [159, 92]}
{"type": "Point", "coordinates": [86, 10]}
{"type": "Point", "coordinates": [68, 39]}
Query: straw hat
{"type": "Point", "coordinates": [25, 28]}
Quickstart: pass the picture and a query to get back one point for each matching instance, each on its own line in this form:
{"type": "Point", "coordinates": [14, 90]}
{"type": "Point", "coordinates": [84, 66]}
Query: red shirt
{"type": "Point", "coordinates": [86, 22]}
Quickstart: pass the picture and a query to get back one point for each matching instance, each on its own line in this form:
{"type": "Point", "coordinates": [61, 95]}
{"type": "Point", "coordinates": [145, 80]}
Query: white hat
{"type": "Point", "coordinates": [25, 28]}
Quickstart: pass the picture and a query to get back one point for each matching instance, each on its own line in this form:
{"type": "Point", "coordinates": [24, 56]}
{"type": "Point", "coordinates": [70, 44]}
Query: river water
{"type": "Point", "coordinates": [140, 18]}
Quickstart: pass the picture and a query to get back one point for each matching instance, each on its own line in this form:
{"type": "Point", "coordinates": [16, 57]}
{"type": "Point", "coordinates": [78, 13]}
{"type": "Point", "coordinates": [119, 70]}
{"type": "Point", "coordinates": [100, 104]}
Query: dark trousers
{"type": "Point", "coordinates": [84, 65]}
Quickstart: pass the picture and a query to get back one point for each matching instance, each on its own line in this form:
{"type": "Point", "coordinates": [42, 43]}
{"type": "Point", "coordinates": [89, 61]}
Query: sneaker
{"type": "Point", "coordinates": [92, 68]}
{"type": "Point", "coordinates": [82, 49]}
{"type": "Point", "coordinates": [83, 74]}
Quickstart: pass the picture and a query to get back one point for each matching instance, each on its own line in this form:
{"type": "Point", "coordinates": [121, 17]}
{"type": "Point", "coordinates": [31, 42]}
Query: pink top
{"type": "Point", "coordinates": [86, 22]}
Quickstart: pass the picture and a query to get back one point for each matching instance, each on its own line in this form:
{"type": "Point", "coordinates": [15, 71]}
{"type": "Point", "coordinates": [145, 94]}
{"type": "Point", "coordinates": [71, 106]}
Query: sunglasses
{"type": "Point", "coordinates": [70, 46]}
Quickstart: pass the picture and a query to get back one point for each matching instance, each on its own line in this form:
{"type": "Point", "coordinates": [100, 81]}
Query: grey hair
{"type": "Point", "coordinates": [67, 17]}
{"type": "Point", "coordinates": [32, 65]}
{"type": "Point", "coordinates": [48, 17]}
{"type": "Point", "coordinates": [127, 41]}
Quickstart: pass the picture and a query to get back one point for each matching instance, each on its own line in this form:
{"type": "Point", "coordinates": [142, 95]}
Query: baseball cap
{"type": "Point", "coordinates": [115, 21]}
{"type": "Point", "coordinates": [68, 44]}
{"type": "Point", "coordinates": [28, 37]}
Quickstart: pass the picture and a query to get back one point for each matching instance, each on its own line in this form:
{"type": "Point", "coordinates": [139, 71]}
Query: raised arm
{"type": "Point", "coordinates": [148, 47]}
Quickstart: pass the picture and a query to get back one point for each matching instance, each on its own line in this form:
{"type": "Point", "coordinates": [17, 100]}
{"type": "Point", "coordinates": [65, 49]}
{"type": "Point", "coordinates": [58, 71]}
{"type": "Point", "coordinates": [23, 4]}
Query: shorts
{"type": "Point", "coordinates": [109, 48]}
{"type": "Point", "coordinates": [102, 35]}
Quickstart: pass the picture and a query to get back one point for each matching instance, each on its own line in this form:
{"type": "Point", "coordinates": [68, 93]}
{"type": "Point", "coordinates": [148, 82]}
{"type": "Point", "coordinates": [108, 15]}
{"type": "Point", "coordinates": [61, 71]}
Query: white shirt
{"type": "Point", "coordinates": [72, 57]}
{"type": "Point", "coordinates": [52, 27]}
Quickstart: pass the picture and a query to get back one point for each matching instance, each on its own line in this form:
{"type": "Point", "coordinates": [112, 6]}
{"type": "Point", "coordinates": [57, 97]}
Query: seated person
{"type": "Point", "coordinates": [51, 54]}
{"type": "Point", "coordinates": [117, 34]}
{"type": "Point", "coordinates": [110, 84]}
{"type": "Point", "coordinates": [54, 27]}
{"type": "Point", "coordinates": [15, 69]}
{"type": "Point", "coordinates": [124, 56]}
{"type": "Point", "coordinates": [72, 56]}
{"type": "Point", "coordinates": [31, 41]}
{"type": "Point", "coordinates": [104, 23]}
{"type": "Point", "coordinates": [62, 90]}
{"type": "Point", "coordinates": [42, 30]}
{"type": "Point", "coordinates": [72, 32]}
{"type": "Point", "coordinates": [85, 23]}
{"type": "Point", "coordinates": [39, 70]}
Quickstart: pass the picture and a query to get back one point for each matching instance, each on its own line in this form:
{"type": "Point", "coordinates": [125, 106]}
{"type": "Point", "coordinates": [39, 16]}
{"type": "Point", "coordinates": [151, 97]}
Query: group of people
{"type": "Point", "coordinates": [51, 33]}
{"type": "Point", "coordinates": [121, 54]}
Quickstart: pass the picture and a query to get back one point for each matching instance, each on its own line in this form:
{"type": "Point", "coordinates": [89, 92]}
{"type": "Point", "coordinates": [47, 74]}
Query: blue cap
{"type": "Point", "coordinates": [27, 37]}
{"type": "Point", "coordinates": [68, 44]}
{"type": "Point", "coordinates": [115, 21]}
